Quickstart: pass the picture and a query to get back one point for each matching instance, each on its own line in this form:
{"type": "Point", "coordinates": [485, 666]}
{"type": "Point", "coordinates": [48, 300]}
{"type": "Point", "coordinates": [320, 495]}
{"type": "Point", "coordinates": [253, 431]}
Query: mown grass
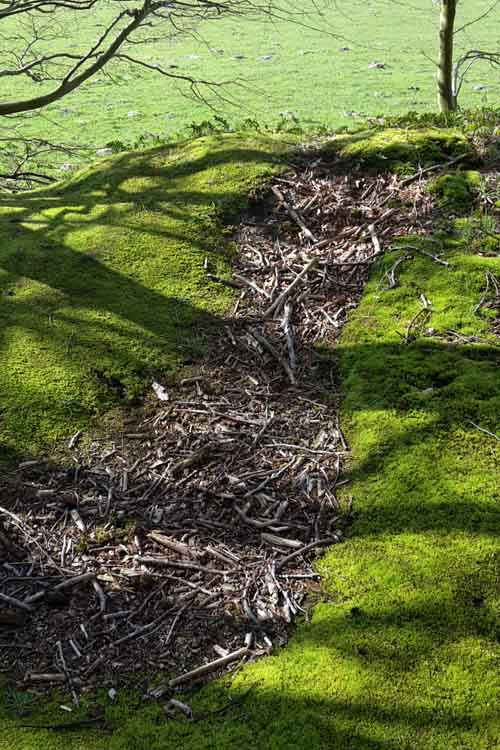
{"type": "Point", "coordinates": [321, 76]}
{"type": "Point", "coordinates": [102, 280]}
{"type": "Point", "coordinates": [405, 650]}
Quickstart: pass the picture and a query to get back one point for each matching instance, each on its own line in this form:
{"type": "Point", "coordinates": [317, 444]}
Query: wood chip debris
{"type": "Point", "coordinates": [157, 547]}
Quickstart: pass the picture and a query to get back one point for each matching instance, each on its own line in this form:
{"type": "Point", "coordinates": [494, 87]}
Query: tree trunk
{"type": "Point", "coordinates": [446, 93]}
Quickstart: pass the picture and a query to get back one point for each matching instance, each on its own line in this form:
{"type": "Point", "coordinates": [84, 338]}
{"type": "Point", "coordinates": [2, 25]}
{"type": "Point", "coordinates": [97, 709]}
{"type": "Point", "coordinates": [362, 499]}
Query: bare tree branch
{"type": "Point", "coordinates": [479, 18]}
{"type": "Point", "coordinates": [465, 63]}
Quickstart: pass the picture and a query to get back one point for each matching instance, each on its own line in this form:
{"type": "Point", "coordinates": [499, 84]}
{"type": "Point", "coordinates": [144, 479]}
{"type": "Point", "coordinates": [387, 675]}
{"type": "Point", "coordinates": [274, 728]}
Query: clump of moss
{"type": "Point", "coordinates": [456, 191]}
{"type": "Point", "coordinates": [403, 149]}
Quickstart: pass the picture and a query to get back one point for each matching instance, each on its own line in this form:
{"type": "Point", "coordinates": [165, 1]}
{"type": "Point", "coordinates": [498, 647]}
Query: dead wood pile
{"type": "Point", "coordinates": [188, 541]}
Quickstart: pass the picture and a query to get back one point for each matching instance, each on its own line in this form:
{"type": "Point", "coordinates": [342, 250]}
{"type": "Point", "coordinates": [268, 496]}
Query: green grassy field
{"type": "Point", "coordinates": [307, 72]}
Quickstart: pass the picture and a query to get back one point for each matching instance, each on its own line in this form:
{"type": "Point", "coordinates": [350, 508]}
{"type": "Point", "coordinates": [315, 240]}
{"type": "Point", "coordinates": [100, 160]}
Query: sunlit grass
{"type": "Point", "coordinates": [321, 74]}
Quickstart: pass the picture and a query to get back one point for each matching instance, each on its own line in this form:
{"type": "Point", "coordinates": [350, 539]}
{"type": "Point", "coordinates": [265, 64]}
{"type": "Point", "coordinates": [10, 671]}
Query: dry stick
{"type": "Point", "coordinates": [210, 667]}
{"type": "Point", "coordinates": [420, 250]}
{"type": "Point", "coordinates": [281, 541]}
{"type": "Point", "coordinates": [75, 439]}
{"type": "Point", "coordinates": [490, 279]}
{"type": "Point", "coordinates": [68, 583]}
{"type": "Point", "coordinates": [271, 349]}
{"type": "Point", "coordinates": [165, 562]}
{"type": "Point", "coordinates": [391, 273]}
{"type": "Point", "coordinates": [425, 312]}
{"type": "Point", "coordinates": [164, 541]}
{"type": "Point", "coordinates": [351, 264]}
{"type": "Point", "coordinates": [306, 548]}
{"type": "Point", "coordinates": [433, 168]}
{"type": "Point", "coordinates": [286, 325]}
{"type": "Point", "coordinates": [224, 282]}
{"type": "Point", "coordinates": [15, 602]}
{"type": "Point", "coordinates": [186, 710]}
{"type": "Point", "coordinates": [486, 432]}
{"type": "Point", "coordinates": [174, 623]}
{"type": "Point", "coordinates": [144, 630]}
{"type": "Point", "coordinates": [375, 239]}
{"type": "Point", "coordinates": [286, 293]}
{"type": "Point", "coordinates": [100, 595]}
{"type": "Point", "coordinates": [254, 522]}
{"type": "Point", "coordinates": [222, 557]}
{"type": "Point", "coordinates": [251, 284]}
{"type": "Point", "coordinates": [294, 214]}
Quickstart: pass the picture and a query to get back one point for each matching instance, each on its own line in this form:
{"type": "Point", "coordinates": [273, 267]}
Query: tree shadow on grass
{"type": "Point", "coordinates": [102, 281]}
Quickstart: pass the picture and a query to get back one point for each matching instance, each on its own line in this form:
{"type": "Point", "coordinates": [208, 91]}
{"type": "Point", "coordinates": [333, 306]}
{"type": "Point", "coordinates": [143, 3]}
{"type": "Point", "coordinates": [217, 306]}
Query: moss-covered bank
{"type": "Point", "coordinates": [102, 280]}
{"type": "Point", "coordinates": [405, 653]}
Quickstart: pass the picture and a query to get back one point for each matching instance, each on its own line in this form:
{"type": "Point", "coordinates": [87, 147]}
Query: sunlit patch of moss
{"type": "Point", "coordinates": [102, 280]}
{"type": "Point", "coordinates": [399, 148]}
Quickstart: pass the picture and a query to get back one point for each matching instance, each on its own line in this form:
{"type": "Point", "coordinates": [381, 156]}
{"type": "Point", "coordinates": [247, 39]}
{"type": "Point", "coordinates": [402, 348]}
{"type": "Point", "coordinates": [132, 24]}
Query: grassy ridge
{"type": "Point", "coordinates": [102, 280]}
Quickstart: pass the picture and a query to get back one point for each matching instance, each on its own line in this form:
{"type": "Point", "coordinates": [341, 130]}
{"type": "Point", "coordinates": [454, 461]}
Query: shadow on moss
{"type": "Point", "coordinates": [102, 279]}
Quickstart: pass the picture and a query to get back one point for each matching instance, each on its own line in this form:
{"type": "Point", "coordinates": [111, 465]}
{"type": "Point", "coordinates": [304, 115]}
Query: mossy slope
{"type": "Point", "coordinates": [406, 654]}
{"type": "Point", "coordinates": [102, 282]}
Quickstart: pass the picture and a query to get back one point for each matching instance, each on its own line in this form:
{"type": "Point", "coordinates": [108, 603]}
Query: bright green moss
{"type": "Point", "coordinates": [400, 148]}
{"type": "Point", "coordinates": [102, 280]}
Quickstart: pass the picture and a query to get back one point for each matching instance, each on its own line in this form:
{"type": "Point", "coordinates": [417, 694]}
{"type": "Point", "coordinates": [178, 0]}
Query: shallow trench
{"type": "Point", "coordinates": [194, 533]}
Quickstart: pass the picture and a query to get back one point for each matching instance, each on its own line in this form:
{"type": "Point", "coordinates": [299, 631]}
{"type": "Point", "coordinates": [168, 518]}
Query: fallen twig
{"type": "Point", "coordinates": [211, 666]}
{"type": "Point", "coordinates": [272, 350]}
{"type": "Point", "coordinates": [486, 432]}
{"type": "Point", "coordinates": [303, 550]}
{"type": "Point", "coordinates": [424, 313]}
{"type": "Point", "coordinates": [286, 293]}
{"type": "Point", "coordinates": [294, 214]}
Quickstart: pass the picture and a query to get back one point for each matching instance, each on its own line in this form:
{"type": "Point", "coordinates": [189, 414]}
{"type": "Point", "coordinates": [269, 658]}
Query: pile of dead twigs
{"type": "Point", "coordinates": [187, 542]}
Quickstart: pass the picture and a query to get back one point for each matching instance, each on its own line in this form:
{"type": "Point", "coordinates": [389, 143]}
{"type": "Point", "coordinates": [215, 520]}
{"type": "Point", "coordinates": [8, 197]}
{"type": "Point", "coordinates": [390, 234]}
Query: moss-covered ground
{"type": "Point", "coordinates": [102, 280]}
{"type": "Point", "coordinates": [404, 652]}
{"type": "Point", "coordinates": [402, 149]}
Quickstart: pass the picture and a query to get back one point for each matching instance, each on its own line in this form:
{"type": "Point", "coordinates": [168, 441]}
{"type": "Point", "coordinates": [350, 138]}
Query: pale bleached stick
{"type": "Point", "coordinates": [286, 293]}
{"type": "Point", "coordinates": [486, 432]}
{"type": "Point", "coordinates": [375, 240]}
{"type": "Point", "coordinates": [211, 666]}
